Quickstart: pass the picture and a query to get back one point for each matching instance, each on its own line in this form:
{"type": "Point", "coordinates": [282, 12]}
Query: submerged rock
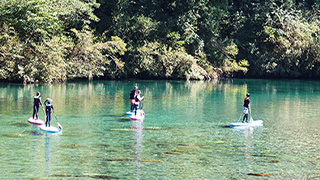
{"type": "Point", "coordinates": [153, 128]}
{"type": "Point", "coordinates": [72, 146]}
{"type": "Point", "coordinates": [95, 176]}
{"type": "Point", "coordinates": [274, 161]}
{"type": "Point", "coordinates": [263, 155]}
{"type": "Point", "coordinates": [14, 135]}
{"type": "Point", "coordinates": [152, 160]}
{"type": "Point", "coordinates": [259, 174]}
{"type": "Point", "coordinates": [121, 129]}
{"type": "Point", "coordinates": [175, 152]}
{"type": "Point", "coordinates": [172, 152]}
{"type": "Point", "coordinates": [117, 159]}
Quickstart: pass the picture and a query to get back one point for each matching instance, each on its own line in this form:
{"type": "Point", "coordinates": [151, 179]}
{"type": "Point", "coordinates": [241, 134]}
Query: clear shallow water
{"type": "Point", "coordinates": [185, 134]}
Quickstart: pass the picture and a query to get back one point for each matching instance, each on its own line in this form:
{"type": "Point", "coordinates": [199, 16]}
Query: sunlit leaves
{"type": "Point", "coordinates": [295, 41]}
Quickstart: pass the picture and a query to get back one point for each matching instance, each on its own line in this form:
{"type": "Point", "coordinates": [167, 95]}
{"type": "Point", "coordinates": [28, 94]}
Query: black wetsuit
{"type": "Point", "coordinates": [132, 94]}
{"type": "Point", "coordinates": [246, 105]}
{"type": "Point", "coordinates": [36, 104]}
{"type": "Point", "coordinates": [49, 110]}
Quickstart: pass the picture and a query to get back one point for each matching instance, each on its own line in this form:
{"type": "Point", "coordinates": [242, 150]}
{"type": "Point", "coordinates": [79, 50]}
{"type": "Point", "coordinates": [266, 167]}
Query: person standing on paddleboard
{"type": "Point", "coordinates": [49, 110]}
{"type": "Point", "coordinates": [246, 108]}
{"type": "Point", "coordinates": [36, 105]}
{"type": "Point", "coordinates": [133, 93]}
{"type": "Point", "coordinates": [137, 100]}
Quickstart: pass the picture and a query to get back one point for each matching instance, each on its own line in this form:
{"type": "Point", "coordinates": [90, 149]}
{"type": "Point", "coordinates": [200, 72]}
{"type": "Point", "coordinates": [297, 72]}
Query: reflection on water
{"type": "Point", "coordinates": [183, 136]}
{"type": "Point", "coordinates": [138, 146]}
{"type": "Point", "coordinates": [48, 156]}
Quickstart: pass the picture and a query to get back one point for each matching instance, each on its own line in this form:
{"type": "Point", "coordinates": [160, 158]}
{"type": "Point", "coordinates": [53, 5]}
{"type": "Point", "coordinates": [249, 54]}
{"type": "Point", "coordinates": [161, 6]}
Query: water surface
{"type": "Point", "coordinates": [185, 134]}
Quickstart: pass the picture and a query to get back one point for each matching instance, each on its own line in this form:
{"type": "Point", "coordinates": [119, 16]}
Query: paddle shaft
{"type": "Point", "coordinates": [241, 114]}
{"type": "Point", "coordinates": [57, 120]}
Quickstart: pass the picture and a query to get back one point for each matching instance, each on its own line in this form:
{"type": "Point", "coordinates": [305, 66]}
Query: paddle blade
{"type": "Point", "coordinates": [251, 119]}
{"type": "Point", "coordinates": [59, 126]}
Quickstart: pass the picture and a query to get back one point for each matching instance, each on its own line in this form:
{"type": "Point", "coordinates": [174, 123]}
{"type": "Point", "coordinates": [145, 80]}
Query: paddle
{"type": "Point", "coordinates": [59, 125]}
{"type": "Point", "coordinates": [251, 119]}
{"type": "Point", "coordinates": [141, 104]}
{"type": "Point", "coordinates": [240, 114]}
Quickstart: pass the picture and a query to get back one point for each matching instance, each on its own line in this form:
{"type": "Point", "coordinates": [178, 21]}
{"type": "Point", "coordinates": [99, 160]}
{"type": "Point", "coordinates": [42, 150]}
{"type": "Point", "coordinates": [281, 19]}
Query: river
{"type": "Point", "coordinates": [185, 134]}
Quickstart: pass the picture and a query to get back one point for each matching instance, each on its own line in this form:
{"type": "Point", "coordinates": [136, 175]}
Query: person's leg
{"type": "Point", "coordinates": [37, 111]}
{"type": "Point", "coordinates": [47, 119]}
{"type": "Point", "coordinates": [34, 111]}
{"type": "Point", "coordinates": [132, 104]}
{"type": "Point", "coordinates": [50, 117]}
{"type": "Point", "coordinates": [135, 109]}
{"type": "Point", "coordinates": [245, 112]}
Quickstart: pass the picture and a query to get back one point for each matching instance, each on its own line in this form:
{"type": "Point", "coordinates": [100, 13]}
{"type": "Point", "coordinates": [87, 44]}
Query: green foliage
{"type": "Point", "coordinates": [10, 50]}
{"type": "Point", "coordinates": [294, 41]}
{"type": "Point", "coordinates": [136, 29]}
{"type": "Point", "coordinates": [56, 40]}
{"type": "Point", "coordinates": [91, 58]}
{"type": "Point", "coordinates": [155, 60]}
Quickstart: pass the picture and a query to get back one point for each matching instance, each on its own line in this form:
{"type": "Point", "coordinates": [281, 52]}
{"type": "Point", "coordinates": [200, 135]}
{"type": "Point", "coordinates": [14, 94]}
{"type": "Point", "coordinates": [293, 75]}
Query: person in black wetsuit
{"type": "Point", "coordinates": [36, 104]}
{"type": "Point", "coordinates": [132, 95]}
{"type": "Point", "coordinates": [49, 111]}
{"type": "Point", "coordinates": [246, 107]}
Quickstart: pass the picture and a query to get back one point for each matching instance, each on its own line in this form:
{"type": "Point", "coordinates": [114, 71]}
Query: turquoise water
{"type": "Point", "coordinates": [185, 134]}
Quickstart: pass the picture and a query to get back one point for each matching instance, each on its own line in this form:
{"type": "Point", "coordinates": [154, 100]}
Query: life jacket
{"type": "Point", "coordinates": [136, 99]}
{"type": "Point", "coordinates": [48, 108]}
{"type": "Point", "coordinates": [246, 102]}
{"type": "Point", "coordinates": [37, 100]}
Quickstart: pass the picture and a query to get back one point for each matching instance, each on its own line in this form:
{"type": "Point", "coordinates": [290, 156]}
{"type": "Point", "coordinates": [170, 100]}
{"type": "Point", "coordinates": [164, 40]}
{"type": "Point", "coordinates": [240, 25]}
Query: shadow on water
{"type": "Point", "coordinates": [123, 119]}
{"type": "Point", "coordinates": [33, 132]}
{"type": "Point", "coordinates": [225, 126]}
{"type": "Point", "coordinates": [20, 124]}
{"type": "Point", "coordinates": [94, 176]}
{"type": "Point", "coordinates": [112, 115]}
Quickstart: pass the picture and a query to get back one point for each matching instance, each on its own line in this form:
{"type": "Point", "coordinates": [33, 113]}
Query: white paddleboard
{"type": "Point", "coordinates": [36, 122]}
{"type": "Point", "coordinates": [50, 129]}
{"type": "Point", "coordinates": [138, 116]}
{"type": "Point", "coordinates": [250, 124]}
{"type": "Point", "coordinates": [130, 113]}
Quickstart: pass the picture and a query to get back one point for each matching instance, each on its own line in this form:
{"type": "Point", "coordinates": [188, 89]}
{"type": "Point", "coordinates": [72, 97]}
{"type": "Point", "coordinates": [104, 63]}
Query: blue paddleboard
{"type": "Point", "coordinates": [50, 129]}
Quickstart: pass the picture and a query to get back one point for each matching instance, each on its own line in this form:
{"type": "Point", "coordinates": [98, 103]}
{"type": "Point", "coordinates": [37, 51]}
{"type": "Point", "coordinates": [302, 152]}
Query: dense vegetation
{"type": "Point", "coordinates": [56, 40]}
